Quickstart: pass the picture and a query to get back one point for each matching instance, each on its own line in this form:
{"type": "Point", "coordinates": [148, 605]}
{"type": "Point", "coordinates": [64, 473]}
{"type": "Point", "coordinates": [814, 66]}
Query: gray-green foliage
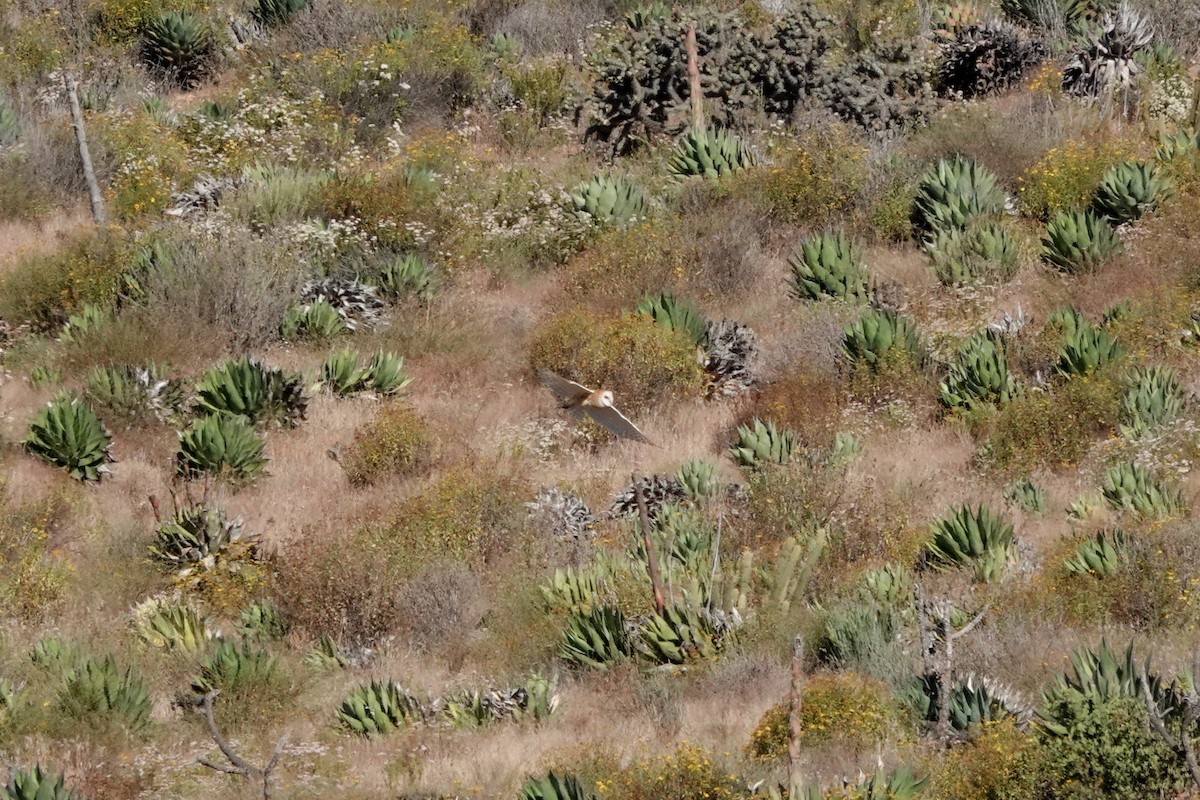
{"type": "Point", "coordinates": [379, 707]}
{"type": "Point", "coordinates": [1079, 240]}
{"type": "Point", "coordinates": [171, 626]}
{"type": "Point", "coordinates": [761, 443]}
{"type": "Point", "coordinates": [535, 699]}
{"type": "Point", "coordinates": [680, 634]}
{"type": "Point", "coordinates": [135, 393]}
{"type": "Point", "coordinates": [955, 191]}
{"type": "Point", "coordinates": [263, 620]}
{"type": "Point", "coordinates": [699, 479]}
{"type": "Point", "coordinates": [326, 654]}
{"type": "Point", "coordinates": [596, 639]}
{"type": "Point", "coordinates": [973, 703]}
{"type": "Point", "coordinates": [10, 698]}
{"type": "Point", "coordinates": [98, 691]}
{"type": "Point", "coordinates": [574, 591]}
{"type": "Point", "coordinates": [1130, 189]}
{"type": "Point", "coordinates": [56, 655]}
{"type": "Point", "coordinates": [407, 275]}
{"type": "Point", "coordinates": [222, 445]}
{"type": "Point", "coordinates": [67, 434]}
{"type": "Point", "coordinates": [1108, 66]}
{"type": "Point", "coordinates": [1128, 486]}
{"type": "Point", "coordinates": [244, 387]}
{"type": "Point", "coordinates": [978, 538]}
{"type": "Point", "coordinates": [1104, 553]}
{"type": "Point", "coordinates": [828, 265]}
{"type": "Point", "coordinates": [277, 12]}
{"type": "Point", "coordinates": [794, 565]}
{"type": "Point", "coordinates": [316, 320]}
{"type": "Point", "coordinates": [890, 585]}
{"type": "Point", "coordinates": [1153, 397]}
{"type": "Point", "coordinates": [979, 374]}
{"type": "Point", "coordinates": [899, 784]}
{"type": "Point", "coordinates": [195, 536]}
{"type": "Point", "coordinates": [36, 784]}
{"type": "Point", "coordinates": [1176, 147]}
{"type": "Point", "coordinates": [1086, 349]}
{"type": "Point", "coordinates": [709, 153]}
{"type": "Point", "coordinates": [1098, 675]}
{"type": "Point", "coordinates": [88, 320]}
{"type": "Point", "coordinates": [858, 634]}
{"type": "Point", "coordinates": [1026, 495]}
{"type": "Point", "coordinates": [554, 787]}
{"type": "Point", "coordinates": [234, 670]}
{"type": "Point", "coordinates": [675, 315]}
{"type": "Point", "coordinates": [982, 251]}
{"type": "Point", "coordinates": [608, 200]}
{"type": "Point", "coordinates": [179, 46]}
{"type": "Point", "coordinates": [383, 375]}
{"type": "Point", "coordinates": [881, 337]}
{"type": "Point", "coordinates": [10, 123]}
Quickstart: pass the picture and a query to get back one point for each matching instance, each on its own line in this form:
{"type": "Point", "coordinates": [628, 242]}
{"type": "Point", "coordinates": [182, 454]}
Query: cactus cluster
{"type": "Point", "coordinates": [382, 376]}
{"type": "Point", "coordinates": [1026, 495]}
{"type": "Point", "coordinates": [979, 374]}
{"type": "Point", "coordinates": [681, 633]}
{"type": "Point", "coordinates": [36, 784]}
{"type": "Point", "coordinates": [598, 639]}
{"type": "Point", "coordinates": [316, 320]}
{"type": "Point", "coordinates": [984, 57]}
{"type": "Point", "coordinates": [263, 621]}
{"type": "Point", "coordinates": [1128, 486]}
{"type": "Point", "coordinates": [379, 707]}
{"type": "Point", "coordinates": [974, 537]}
{"type": "Point", "coordinates": [955, 191]}
{"type": "Point", "coordinates": [565, 514]}
{"type": "Point", "coordinates": [233, 669]}
{"type": "Point", "coordinates": [574, 591]}
{"type": "Point", "coordinates": [828, 265]}
{"type": "Point", "coordinates": [1130, 189]}
{"type": "Point", "coordinates": [555, 787]}
{"type": "Point", "coordinates": [973, 702]}
{"type": "Point", "coordinates": [614, 201]}
{"type": "Point", "coordinates": [1097, 676]}
{"type": "Point", "coordinates": [67, 434]}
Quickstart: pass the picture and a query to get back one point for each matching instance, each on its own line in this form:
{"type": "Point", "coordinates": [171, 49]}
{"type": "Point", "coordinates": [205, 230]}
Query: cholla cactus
{"type": "Point", "coordinates": [1108, 65]}
{"type": "Point", "coordinates": [565, 514]}
{"type": "Point", "coordinates": [730, 353]}
{"type": "Point", "coordinates": [983, 58]}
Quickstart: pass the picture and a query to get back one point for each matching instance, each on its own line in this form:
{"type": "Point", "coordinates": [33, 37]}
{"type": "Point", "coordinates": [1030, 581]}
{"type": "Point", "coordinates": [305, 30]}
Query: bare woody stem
{"type": "Point", "coordinates": [237, 764]}
{"type": "Point", "coordinates": [797, 700]}
{"type": "Point", "coordinates": [85, 156]}
{"type": "Point", "coordinates": [694, 88]}
{"type": "Point", "coordinates": [660, 604]}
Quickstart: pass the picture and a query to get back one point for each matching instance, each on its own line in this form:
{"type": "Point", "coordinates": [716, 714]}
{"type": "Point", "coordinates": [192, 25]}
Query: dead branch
{"type": "Point", "coordinates": [937, 650]}
{"type": "Point", "coordinates": [639, 489]}
{"type": "Point", "coordinates": [237, 764]}
{"type": "Point", "coordinates": [794, 730]}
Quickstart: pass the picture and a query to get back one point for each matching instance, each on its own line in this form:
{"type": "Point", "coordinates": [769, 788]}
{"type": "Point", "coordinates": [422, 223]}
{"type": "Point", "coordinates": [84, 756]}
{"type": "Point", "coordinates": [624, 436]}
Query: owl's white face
{"type": "Point", "coordinates": [606, 399]}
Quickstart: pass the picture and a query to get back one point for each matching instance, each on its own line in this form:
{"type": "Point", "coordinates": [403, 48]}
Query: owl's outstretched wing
{"type": "Point", "coordinates": [616, 422]}
{"type": "Point", "coordinates": [567, 391]}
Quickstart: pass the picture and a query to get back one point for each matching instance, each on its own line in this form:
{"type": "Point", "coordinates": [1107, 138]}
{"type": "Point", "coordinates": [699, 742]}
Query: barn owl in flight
{"type": "Point", "coordinates": [596, 405]}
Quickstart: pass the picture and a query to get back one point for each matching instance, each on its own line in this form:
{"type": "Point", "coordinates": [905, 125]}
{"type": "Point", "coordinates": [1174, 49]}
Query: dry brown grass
{"type": "Point", "coordinates": [19, 239]}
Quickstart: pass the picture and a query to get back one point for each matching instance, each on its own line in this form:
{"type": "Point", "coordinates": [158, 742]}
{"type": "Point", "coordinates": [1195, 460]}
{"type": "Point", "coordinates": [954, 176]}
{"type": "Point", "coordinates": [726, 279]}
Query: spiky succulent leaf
{"type": "Point", "coordinates": [1153, 397]}
{"type": "Point", "coordinates": [407, 275]}
{"type": "Point", "coordinates": [978, 538]}
{"type": "Point", "coordinates": [67, 434]}
{"type": "Point", "coordinates": [195, 535]}
{"type": "Point", "coordinates": [179, 46]}
{"type": "Point", "coordinates": [675, 315]}
{"type": "Point", "coordinates": [979, 374]}
{"type": "Point", "coordinates": [1129, 486]}
{"type": "Point", "coordinates": [761, 443]}
{"type": "Point", "coordinates": [230, 668]}
{"type": "Point", "coordinates": [244, 387]}
{"type": "Point", "coordinates": [608, 200]}
{"type": "Point", "coordinates": [880, 337]}
{"type": "Point", "coordinates": [1130, 189]}
{"type": "Point", "coordinates": [97, 690]}
{"type": "Point", "coordinates": [828, 265]}
{"type": "Point", "coordinates": [379, 707]}
{"type": "Point", "coordinates": [954, 192]}
{"type": "Point", "coordinates": [171, 626]}
{"type": "Point", "coordinates": [596, 639]}
{"type": "Point", "coordinates": [709, 153]}
{"type": "Point", "coordinates": [223, 445]}
{"type": "Point", "coordinates": [554, 787]}
{"type": "Point", "coordinates": [316, 320]}
{"type": "Point", "coordinates": [983, 251]}
{"type": "Point", "coordinates": [678, 635]}
{"type": "Point", "coordinates": [36, 784]}
{"type": "Point", "coordinates": [277, 12]}
{"type": "Point", "coordinates": [1088, 349]}
{"type": "Point", "coordinates": [1102, 554]}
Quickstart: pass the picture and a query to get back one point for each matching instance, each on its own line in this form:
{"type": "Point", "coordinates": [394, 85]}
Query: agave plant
{"type": "Point", "coordinates": [383, 375]}
{"type": "Point", "coordinates": [880, 337]}
{"type": "Point", "coordinates": [356, 303]}
{"type": "Point", "coordinates": [675, 315]}
{"type": "Point", "coordinates": [89, 319]}
{"type": "Point", "coordinates": [1102, 554]}
{"type": "Point", "coordinates": [326, 654]}
{"type": "Point", "coordinates": [277, 12]}
{"type": "Point", "coordinates": [577, 592]}
{"type": "Point", "coordinates": [246, 388]}
{"type": "Point", "coordinates": [647, 15]}
{"type": "Point", "coordinates": [379, 707]}
{"type": "Point", "coordinates": [263, 621]}
{"type": "Point", "coordinates": [973, 703]}
{"type": "Point", "coordinates": [316, 320]}
{"type": "Point", "coordinates": [614, 201]}
{"type": "Point", "coordinates": [1130, 189]}
{"type": "Point", "coordinates": [36, 785]}
{"type": "Point", "coordinates": [1153, 397]}
{"type": "Point", "coordinates": [1026, 495]}
{"type": "Point", "coordinates": [179, 46]}
{"type": "Point", "coordinates": [954, 192]}
{"type": "Point", "coordinates": [979, 375]}
{"type": "Point", "coordinates": [234, 669]}
{"type": "Point", "coordinates": [699, 479]}
{"type": "Point", "coordinates": [221, 445]}
{"type": "Point", "coordinates": [1109, 64]}
{"type": "Point", "coordinates": [1088, 349]}
{"type": "Point", "coordinates": [761, 443]}
{"type": "Point", "coordinates": [1079, 241]}
{"type": "Point", "coordinates": [135, 393]}
{"type": "Point", "coordinates": [1177, 146]}
{"type": "Point", "coordinates": [408, 275]}
{"type": "Point", "coordinates": [984, 251]}
{"type": "Point", "coordinates": [710, 154]}
{"type": "Point", "coordinates": [900, 784]}
{"type": "Point", "coordinates": [854, 633]}
{"type": "Point", "coordinates": [596, 639]}
{"type": "Point", "coordinates": [828, 265]}
{"type": "Point", "coordinates": [97, 690]}
{"type": "Point", "coordinates": [67, 434]}
{"type": "Point", "coordinates": [891, 586]}
{"type": "Point", "coordinates": [196, 536]}
{"type": "Point", "coordinates": [979, 538]}
{"type": "Point", "coordinates": [1128, 486]}
{"type": "Point", "coordinates": [679, 634]}
{"type": "Point", "coordinates": [554, 787]}
{"type": "Point", "coordinates": [1098, 676]}
{"type": "Point", "coordinates": [58, 656]}
{"type": "Point", "coordinates": [171, 625]}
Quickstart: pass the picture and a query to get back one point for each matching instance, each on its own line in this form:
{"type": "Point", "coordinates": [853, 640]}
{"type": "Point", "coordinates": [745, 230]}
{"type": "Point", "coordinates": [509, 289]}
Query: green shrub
{"type": "Point", "coordinates": [860, 635]}
{"type": "Point", "coordinates": [828, 265]}
{"type": "Point", "coordinates": [1105, 553]}
{"type": "Point", "coordinates": [222, 445]}
{"type": "Point", "coordinates": [396, 442]}
{"type": "Point", "coordinates": [1079, 241]}
{"type": "Point", "coordinates": [679, 635]}
{"type": "Point", "coordinates": [974, 703]}
{"type": "Point", "coordinates": [979, 538]}
{"type": "Point", "coordinates": [135, 393]}
{"type": "Point", "coordinates": [407, 275]}
{"type": "Point", "coordinates": [317, 320]}
{"type": "Point", "coordinates": [384, 375]}
{"type": "Point", "coordinates": [171, 626]}
{"type": "Point", "coordinates": [607, 200]}
{"type": "Point", "coordinates": [1026, 495]}
{"type": "Point", "coordinates": [675, 315]}
{"type": "Point", "coordinates": [554, 787]}
{"type": "Point", "coordinates": [689, 773]}
{"type": "Point", "coordinates": [1087, 349]}
{"type": "Point", "coordinates": [842, 708]}
{"type": "Point", "coordinates": [68, 435]}
{"type": "Point", "coordinates": [641, 361]}
{"type": "Point", "coordinates": [816, 179]}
